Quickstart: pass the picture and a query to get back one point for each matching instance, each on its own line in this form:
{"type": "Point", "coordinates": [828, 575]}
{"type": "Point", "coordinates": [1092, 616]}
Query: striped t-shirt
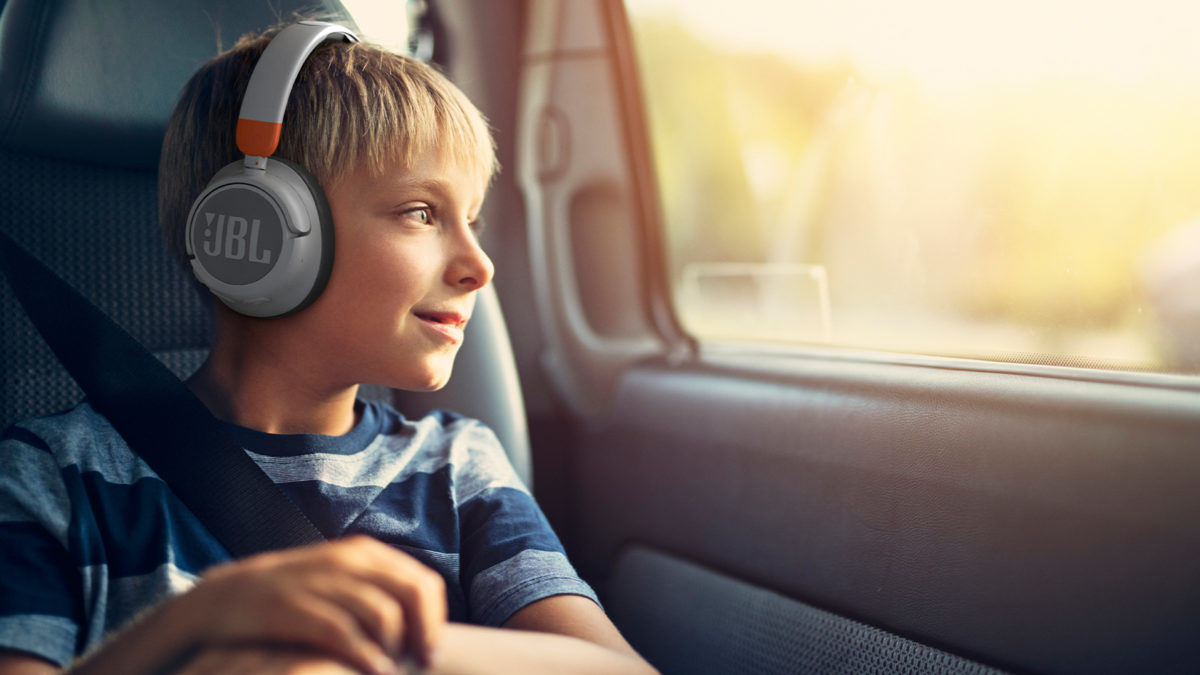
{"type": "Point", "coordinates": [90, 536]}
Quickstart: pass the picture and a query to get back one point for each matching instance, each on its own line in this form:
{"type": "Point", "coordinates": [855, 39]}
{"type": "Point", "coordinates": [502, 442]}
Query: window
{"type": "Point", "coordinates": [395, 25]}
{"type": "Point", "coordinates": [1013, 180]}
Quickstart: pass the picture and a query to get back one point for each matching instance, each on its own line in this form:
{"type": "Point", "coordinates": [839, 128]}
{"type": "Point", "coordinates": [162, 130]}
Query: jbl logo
{"type": "Point", "coordinates": [228, 239]}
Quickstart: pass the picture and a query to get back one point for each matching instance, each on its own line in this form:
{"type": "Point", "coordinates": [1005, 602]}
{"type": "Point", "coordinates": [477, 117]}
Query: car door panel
{"type": "Point", "coordinates": [689, 619]}
{"type": "Point", "coordinates": [1036, 523]}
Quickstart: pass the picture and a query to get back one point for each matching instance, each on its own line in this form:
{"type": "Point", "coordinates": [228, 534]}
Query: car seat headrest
{"type": "Point", "coordinates": [96, 81]}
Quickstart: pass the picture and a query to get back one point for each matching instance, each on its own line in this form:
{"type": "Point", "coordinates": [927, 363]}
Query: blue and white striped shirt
{"type": "Point", "coordinates": [90, 536]}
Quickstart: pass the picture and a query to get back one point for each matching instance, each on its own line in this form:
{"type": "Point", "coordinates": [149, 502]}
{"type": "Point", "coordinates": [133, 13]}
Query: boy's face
{"type": "Point", "coordinates": [406, 268]}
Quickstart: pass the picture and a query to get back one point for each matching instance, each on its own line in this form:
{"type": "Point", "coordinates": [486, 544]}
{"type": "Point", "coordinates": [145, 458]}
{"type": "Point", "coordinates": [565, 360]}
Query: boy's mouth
{"type": "Point", "coordinates": [444, 318]}
{"type": "Point", "coordinates": [447, 325]}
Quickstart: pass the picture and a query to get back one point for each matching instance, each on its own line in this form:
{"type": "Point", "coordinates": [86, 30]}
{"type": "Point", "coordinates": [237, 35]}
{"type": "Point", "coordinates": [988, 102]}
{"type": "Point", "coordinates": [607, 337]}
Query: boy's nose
{"type": "Point", "coordinates": [471, 269]}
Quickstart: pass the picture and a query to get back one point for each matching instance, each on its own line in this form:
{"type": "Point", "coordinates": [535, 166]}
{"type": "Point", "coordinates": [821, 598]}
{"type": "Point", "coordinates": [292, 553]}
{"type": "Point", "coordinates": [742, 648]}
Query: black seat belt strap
{"type": "Point", "coordinates": [157, 415]}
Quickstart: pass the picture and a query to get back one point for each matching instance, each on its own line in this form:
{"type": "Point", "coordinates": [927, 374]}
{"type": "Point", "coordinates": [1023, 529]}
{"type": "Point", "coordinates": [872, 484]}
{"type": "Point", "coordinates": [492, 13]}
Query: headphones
{"type": "Point", "coordinates": [260, 235]}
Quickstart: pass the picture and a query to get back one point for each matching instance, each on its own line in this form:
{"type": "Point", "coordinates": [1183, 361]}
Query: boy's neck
{"type": "Point", "coordinates": [255, 382]}
{"type": "Point", "coordinates": [254, 402]}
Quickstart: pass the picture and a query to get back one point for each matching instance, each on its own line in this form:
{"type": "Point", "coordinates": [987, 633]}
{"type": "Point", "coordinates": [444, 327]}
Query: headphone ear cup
{"type": "Point", "coordinates": [323, 227]}
{"type": "Point", "coordinates": [262, 240]}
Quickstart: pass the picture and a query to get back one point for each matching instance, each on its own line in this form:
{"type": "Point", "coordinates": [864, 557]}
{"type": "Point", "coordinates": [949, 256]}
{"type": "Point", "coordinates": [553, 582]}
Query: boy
{"type": "Point", "coordinates": [429, 525]}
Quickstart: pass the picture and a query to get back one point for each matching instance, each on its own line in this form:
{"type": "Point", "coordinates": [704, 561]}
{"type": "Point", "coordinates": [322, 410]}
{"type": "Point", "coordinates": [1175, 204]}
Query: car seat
{"type": "Point", "coordinates": [86, 89]}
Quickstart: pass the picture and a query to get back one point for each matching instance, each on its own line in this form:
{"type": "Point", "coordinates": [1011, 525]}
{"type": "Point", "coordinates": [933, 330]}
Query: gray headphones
{"type": "Point", "coordinates": [260, 235]}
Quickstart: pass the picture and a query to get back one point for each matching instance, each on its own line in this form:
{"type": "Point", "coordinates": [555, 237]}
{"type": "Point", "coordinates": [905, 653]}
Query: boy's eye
{"type": "Point", "coordinates": [421, 214]}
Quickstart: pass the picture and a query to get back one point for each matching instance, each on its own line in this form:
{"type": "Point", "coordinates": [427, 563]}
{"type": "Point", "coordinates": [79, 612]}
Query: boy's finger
{"type": "Point", "coordinates": [328, 626]}
{"type": "Point", "coordinates": [260, 660]}
{"type": "Point", "coordinates": [379, 614]}
{"type": "Point", "coordinates": [425, 610]}
{"type": "Point", "coordinates": [420, 591]}
{"type": "Point", "coordinates": [422, 595]}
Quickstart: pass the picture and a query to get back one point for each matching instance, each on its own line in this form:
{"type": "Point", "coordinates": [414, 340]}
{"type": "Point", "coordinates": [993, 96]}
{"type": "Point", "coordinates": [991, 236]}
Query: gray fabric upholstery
{"type": "Point", "coordinates": [95, 81]}
{"type": "Point", "coordinates": [96, 228]}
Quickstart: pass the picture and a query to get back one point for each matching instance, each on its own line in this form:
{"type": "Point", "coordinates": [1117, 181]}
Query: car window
{"type": "Point", "coordinates": [1012, 180]}
{"type": "Point", "coordinates": [395, 25]}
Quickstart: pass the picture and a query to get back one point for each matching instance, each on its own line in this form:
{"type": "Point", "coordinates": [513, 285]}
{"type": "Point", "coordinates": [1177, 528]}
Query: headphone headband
{"type": "Point", "coordinates": [260, 120]}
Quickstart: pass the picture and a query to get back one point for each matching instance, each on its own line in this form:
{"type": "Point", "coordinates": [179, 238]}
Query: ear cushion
{"type": "Point", "coordinates": [324, 227]}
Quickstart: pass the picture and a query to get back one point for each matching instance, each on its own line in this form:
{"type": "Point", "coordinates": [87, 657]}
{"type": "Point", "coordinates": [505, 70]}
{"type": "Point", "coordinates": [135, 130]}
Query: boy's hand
{"type": "Point", "coordinates": [357, 599]}
{"type": "Point", "coordinates": [256, 660]}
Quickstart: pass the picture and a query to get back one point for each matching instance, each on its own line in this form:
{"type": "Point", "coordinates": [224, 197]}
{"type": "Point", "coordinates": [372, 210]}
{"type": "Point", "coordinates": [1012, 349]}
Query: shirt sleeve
{"type": "Point", "coordinates": [39, 607]}
{"type": "Point", "coordinates": [510, 554]}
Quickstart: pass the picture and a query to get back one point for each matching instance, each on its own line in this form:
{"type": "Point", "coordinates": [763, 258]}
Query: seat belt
{"type": "Point", "coordinates": [157, 415]}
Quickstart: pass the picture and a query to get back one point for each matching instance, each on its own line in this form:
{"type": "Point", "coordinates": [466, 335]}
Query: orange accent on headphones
{"type": "Point", "coordinates": [258, 139]}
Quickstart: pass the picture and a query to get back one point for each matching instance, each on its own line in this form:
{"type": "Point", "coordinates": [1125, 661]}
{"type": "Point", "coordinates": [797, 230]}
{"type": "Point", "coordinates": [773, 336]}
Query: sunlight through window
{"type": "Point", "coordinates": [1013, 181]}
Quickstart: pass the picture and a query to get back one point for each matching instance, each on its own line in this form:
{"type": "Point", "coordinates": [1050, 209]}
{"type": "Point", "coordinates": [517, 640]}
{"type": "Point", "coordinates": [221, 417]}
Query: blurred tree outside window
{"type": "Point", "coordinates": [1012, 180]}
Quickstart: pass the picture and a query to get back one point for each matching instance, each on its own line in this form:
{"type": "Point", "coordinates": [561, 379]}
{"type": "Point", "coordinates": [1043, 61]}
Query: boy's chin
{"type": "Point", "coordinates": [417, 375]}
{"type": "Point", "coordinates": [433, 386]}
{"type": "Point", "coordinates": [430, 381]}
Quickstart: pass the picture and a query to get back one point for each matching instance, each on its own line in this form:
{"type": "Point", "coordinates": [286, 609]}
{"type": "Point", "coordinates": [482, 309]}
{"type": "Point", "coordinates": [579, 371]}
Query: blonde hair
{"type": "Point", "coordinates": [353, 104]}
